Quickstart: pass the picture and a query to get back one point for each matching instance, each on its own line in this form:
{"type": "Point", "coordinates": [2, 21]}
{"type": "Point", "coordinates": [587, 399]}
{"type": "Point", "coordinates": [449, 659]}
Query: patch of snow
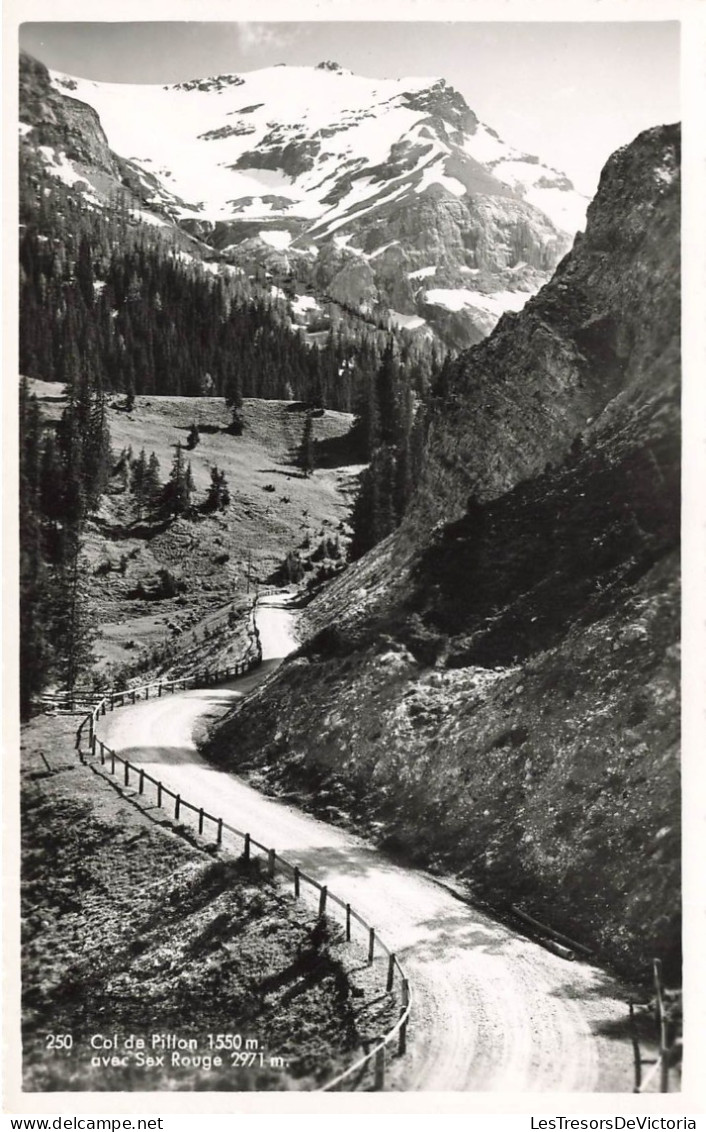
{"type": "Point", "coordinates": [148, 218]}
{"type": "Point", "coordinates": [665, 174]}
{"type": "Point", "coordinates": [277, 293]}
{"type": "Point", "coordinates": [406, 321]}
{"type": "Point", "coordinates": [421, 272]}
{"type": "Point", "coordinates": [304, 303]}
{"type": "Point", "coordinates": [485, 146]}
{"type": "Point", "coordinates": [276, 238]}
{"type": "Point", "coordinates": [60, 166]}
{"type": "Point", "coordinates": [457, 299]}
{"type": "Point", "coordinates": [383, 199]}
{"type": "Point", "coordinates": [567, 210]}
{"type": "Point", "coordinates": [383, 249]}
{"type": "Point", "coordinates": [24, 128]}
{"type": "Point", "coordinates": [431, 175]}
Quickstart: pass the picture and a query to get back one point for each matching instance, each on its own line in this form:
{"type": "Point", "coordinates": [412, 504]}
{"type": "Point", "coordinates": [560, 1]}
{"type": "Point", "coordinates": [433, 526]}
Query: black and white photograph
{"type": "Point", "coordinates": [349, 460]}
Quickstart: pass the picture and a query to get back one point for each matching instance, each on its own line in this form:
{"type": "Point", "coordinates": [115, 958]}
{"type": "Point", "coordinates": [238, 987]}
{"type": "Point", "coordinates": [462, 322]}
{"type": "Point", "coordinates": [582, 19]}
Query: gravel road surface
{"type": "Point", "coordinates": [493, 1011]}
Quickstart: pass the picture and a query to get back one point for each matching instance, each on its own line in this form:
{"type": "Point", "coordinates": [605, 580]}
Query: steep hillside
{"type": "Point", "coordinates": [495, 688]}
{"type": "Point", "coordinates": [387, 196]}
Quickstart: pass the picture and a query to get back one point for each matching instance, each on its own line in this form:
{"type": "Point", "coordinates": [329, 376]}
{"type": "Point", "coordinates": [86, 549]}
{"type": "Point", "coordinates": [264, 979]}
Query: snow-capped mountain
{"type": "Point", "coordinates": [392, 192]}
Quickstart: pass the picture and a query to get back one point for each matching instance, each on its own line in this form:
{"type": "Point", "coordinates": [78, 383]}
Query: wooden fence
{"type": "Point", "coordinates": [669, 1041]}
{"type": "Point", "coordinates": [88, 743]}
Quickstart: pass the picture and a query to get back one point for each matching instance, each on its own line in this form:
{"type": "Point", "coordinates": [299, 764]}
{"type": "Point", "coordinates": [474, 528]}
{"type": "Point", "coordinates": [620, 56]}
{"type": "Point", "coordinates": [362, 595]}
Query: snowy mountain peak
{"type": "Point", "coordinates": [322, 139]}
{"type": "Point", "coordinates": [396, 184]}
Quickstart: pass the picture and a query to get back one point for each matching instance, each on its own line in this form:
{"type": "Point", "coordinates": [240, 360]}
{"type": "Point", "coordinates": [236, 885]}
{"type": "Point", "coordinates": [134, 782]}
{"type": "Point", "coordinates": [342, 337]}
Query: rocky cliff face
{"type": "Point", "coordinates": [494, 690]}
{"type": "Point", "coordinates": [61, 122]}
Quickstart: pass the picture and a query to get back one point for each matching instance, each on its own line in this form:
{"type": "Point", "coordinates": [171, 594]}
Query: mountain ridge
{"type": "Point", "coordinates": [340, 179]}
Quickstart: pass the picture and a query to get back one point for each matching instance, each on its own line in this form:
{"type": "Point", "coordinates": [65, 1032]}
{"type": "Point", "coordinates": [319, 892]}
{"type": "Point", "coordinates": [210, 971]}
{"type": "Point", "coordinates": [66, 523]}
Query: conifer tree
{"type": "Point", "coordinates": [306, 448]}
{"type": "Point", "coordinates": [176, 494]}
{"type": "Point", "coordinates": [152, 483]}
{"type": "Point", "coordinates": [73, 627]}
{"type": "Point", "coordinates": [137, 482]}
{"type": "Point", "coordinates": [218, 497]}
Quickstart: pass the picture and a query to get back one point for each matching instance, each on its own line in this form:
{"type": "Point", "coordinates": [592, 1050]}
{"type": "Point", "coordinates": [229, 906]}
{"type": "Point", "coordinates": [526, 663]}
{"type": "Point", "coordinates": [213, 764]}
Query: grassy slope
{"type": "Point", "coordinates": [210, 554]}
{"type": "Point", "coordinates": [130, 928]}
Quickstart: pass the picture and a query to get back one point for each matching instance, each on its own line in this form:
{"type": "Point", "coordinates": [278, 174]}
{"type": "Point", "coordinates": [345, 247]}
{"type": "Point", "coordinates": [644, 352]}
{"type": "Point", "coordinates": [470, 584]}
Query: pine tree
{"type": "Point", "coordinates": [137, 482]}
{"type": "Point", "coordinates": [218, 497]}
{"type": "Point", "coordinates": [387, 383]}
{"type": "Point", "coordinates": [306, 448]}
{"type": "Point", "coordinates": [73, 626]}
{"type": "Point", "coordinates": [176, 494]}
{"type": "Point", "coordinates": [152, 486]}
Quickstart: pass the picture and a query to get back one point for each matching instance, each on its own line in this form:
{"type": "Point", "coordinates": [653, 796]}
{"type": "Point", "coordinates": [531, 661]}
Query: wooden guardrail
{"type": "Point", "coordinates": [88, 743]}
{"type": "Point", "coordinates": [669, 1041]}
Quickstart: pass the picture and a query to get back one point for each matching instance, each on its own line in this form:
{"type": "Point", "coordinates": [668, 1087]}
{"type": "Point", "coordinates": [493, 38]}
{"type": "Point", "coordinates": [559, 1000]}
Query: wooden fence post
{"type": "Point", "coordinates": [102, 747]}
{"type": "Point", "coordinates": [93, 744]}
{"type": "Point", "coordinates": [201, 820]}
{"type": "Point", "coordinates": [662, 1020]}
{"type": "Point", "coordinates": [637, 1058]}
{"type": "Point", "coordinates": [380, 1069]}
{"type": "Point", "coordinates": [112, 762]}
{"type": "Point", "coordinates": [177, 804]}
{"type": "Point", "coordinates": [147, 692]}
{"type": "Point", "coordinates": [133, 695]}
{"type": "Point", "coordinates": [246, 848]}
{"type": "Point", "coordinates": [271, 858]}
{"type": "Point", "coordinates": [103, 708]}
{"type": "Point", "coordinates": [219, 835]}
{"type": "Point", "coordinates": [127, 772]}
{"type": "Point", "coordinates": [348, 923]}
{"type": "Point", "coordinates": [142, 782]}
{"type": "Point", "coordinates": [159, 795]}
{"type": "Point", "coordinates": [371, 945]}
{"type": "Point", "coordinates": [296, 880]}
{"type": "Point", "coordinates": [322, 901]}
{"type": "Point", "coordinates": [391, 972]}
{"type": "Point", "coordinates": [405, 1004]}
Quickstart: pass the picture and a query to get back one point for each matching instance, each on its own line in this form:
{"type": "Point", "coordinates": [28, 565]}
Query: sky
{"type": "Point", "coordinates": [569, 92]}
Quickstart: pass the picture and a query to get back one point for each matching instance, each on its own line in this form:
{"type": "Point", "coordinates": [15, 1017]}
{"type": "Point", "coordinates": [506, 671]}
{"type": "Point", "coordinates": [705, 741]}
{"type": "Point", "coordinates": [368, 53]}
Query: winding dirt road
{"type": "Point", "coordinates": [493, 1011]}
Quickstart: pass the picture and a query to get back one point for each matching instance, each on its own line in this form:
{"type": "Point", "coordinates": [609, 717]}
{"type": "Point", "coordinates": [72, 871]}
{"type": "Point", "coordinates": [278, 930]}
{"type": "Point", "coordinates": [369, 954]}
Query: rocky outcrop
{"type": "Point", "coordinates": [60, 121]}
{"type": "Point", "coordinates": [494, 690]}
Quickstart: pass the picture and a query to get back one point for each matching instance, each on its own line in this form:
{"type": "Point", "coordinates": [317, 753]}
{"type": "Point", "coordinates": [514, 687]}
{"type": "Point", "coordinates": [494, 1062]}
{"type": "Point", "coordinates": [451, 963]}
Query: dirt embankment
{"type": "Point", "coordinates": [132, 933]}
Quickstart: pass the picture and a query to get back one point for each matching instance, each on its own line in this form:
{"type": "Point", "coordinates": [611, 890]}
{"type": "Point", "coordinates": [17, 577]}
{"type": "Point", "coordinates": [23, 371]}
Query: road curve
{"type": "Point", "coordinates": [493, 1011]}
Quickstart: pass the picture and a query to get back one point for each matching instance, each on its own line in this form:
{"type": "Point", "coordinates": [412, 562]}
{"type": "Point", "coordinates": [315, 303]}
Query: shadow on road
{"type": "Point", "coordinates": [356, 861]}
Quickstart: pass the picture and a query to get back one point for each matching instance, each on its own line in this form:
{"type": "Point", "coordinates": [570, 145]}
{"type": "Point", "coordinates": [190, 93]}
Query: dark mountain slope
{"type": "Point", "coordinates": [495, 688]}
